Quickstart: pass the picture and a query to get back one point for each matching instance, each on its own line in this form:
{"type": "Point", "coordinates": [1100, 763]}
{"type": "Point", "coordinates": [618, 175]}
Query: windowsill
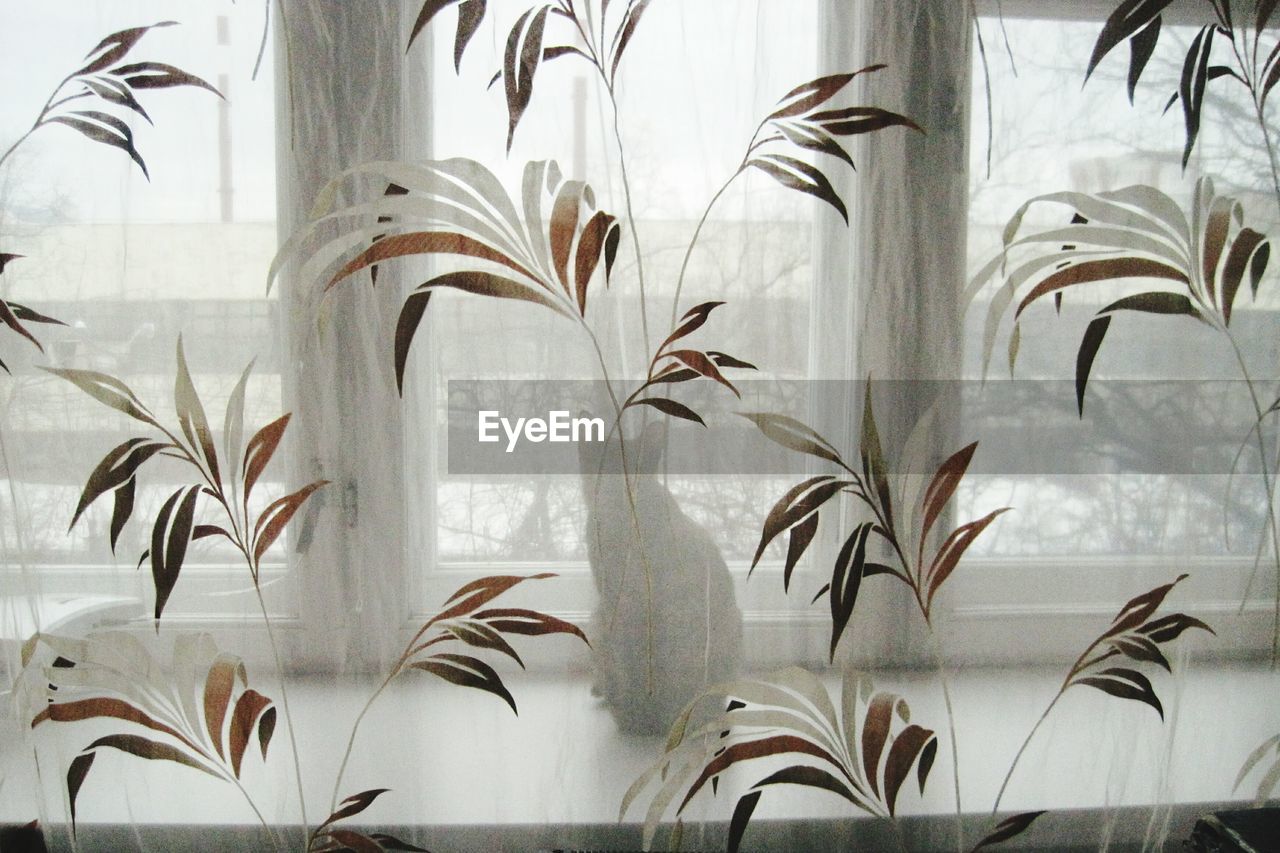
{"type": "Point", "coordinates": [456, 757]}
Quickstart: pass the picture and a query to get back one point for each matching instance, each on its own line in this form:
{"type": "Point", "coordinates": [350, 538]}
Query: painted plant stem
{"type": "Point", "coordinates": [1027, 742]}
{"type": "Point", "coordinates": [693, 241]}
{"type": "Point", "coordinates": [697, 231]}
{"type": "Point", "coordinates": [945, 679]}
{"type": "Point", "coordinates": [1267, 485]}
{"type": "Point", "coordinates": [215, 488]}
{"type": "Point", "coordinates": [631, 219]}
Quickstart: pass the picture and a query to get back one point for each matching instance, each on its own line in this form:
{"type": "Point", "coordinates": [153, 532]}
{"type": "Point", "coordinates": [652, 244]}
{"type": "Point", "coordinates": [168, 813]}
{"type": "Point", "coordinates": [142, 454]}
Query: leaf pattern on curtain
{"type": "Point", "coordinates": [798, 512]}
{"type": "Point", "coordinates": [547, 244]}
{"type": "Point", "coordinates": [1140, 23]}
{"type": "Point", "coordinates": [864, 753]}
{"type": "Point", "coordinates": [1129, 235]}
{"type": "Point", "coordinates": [112, 83]}
{"type": "Point", "coordinates": [200, 712]}
{"type": "Point", "coordinates": [12, 314]}
{"type": "Point", "coordinates": [175, 526]}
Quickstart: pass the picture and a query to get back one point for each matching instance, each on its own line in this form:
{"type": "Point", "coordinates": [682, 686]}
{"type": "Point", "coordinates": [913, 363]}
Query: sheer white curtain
{"type": "Point", "coordinates": [907, 640]}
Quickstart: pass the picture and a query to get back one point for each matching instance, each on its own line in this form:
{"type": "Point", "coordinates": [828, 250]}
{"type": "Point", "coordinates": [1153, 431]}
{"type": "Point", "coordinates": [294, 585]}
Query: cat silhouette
{"type": "Point", "coordinates": [666, 623]}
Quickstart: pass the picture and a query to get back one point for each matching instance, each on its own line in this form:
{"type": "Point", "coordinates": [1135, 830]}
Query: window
{"type": "Point", "coordinates": [1141, 485]}
{"type": "Point", "coordinates": [129, 264]}
{"type": "Point", "coordinates": [756, 252]}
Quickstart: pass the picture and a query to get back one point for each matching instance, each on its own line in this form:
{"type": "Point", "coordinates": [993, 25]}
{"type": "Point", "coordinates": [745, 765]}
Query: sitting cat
{"type": "Point", "coordinates": [666, 623]}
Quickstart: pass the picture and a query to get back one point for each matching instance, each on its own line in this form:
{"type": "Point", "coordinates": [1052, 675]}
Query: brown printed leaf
{"type": "Point", "coordinates": [169, 539]}
{"type": "Point", "coordinates": [1130, 17]}
{"type": "Point", "coordinates": [948, 556]}
{"type": "Point", "coordinates": [266, 728]}
{"type": "Point", "coordinates": [1215, 240]}
{"type": "Point", "coordinates": [564, 226]}
{"type": "Point", "coordinates": [1141, 649]}
{"type": "Point", "coordinates": [470, 16]}
{"type": "Point", "coordinates": [591, 244]}
{"type": "Point", "coordinates": [106, 707]}
{"type": "Point", "coordinates": [191, 416]}
{"type": "Point", "coordinates": [1109, 269]}
{"type": "Point", "coordinates": [354, 841]}
{"type": "Point", "coordinates": [795, 505]}
{"type": "Point", "coordinates": [692, 320]}
{"type": "Point", "coordinates": [1089, 346]}
{"type": "Point", "coordinates": [1008, 828]}
{"type": "Point", "coordinates": [806, 96]}
{"type": "Point", "coordinates": [1169, 627]}
{"type": "Point", "coordinates": [799, 175]}
{"type": "Point", "coordinates": [276, 517]}
{"type": "Point", "coordinates": [1258, 266]}
{"type": "Point", "coordinates": [873, 465]}
{"type": "Point", "coordinates": [814, 139]}
{"type": "Point", "coordinates": [762, 748]}
{"type": "Point", "coordinates": [22, 312]}
{"type": "Point", "coordinates": [260, 449]}
{"type": "Point", "coordinates": [411, 313]}
{"type": "Point", "coordinates": [624, 35]}
{"type": "Point", "coordinates": [1139, 608]}
{"type": "Point", "coordinates": [1195, 75]}
{"type": "Point", "coordinates": [158, 75]}
{"type": "Point", "coordinates": [1264, 10]}
{"type": "Point", "coordinates": [390, 842]}
{"type": "Point", "coordinates": [794, 435]}
{"type": "Point", "coordinates": [1154, 302]}
{"type": "Point", "coordinates": [204, 531]}
{"type": "Point", "coordinates": [488, 284]}
{"type": "Point", "coordinates": [846, 579]}
{"type": "Point", "coordinates": [852, 121]}
{"type": "Point", "coordinates": [467, 671]}
{"type": "Point", "coordinates": [1249, 244]}
{"type": "Point", "coordinates": [1141, 47]}
{"type": "Point", "coordinates": [115, 470]}
{"type": "Point", "coordinates": [723, 360]}
{"type": "Point", "coordinates": [743, 810]}
{"type": "Point", "coordinates": [810, 777]}
{"type": "Point", "coordinates": [107, 390]}
{"type": "Point", "coordinates": [698, 361]}
{"type": "Point", "coordinates": [875, 734]}
{"type": "Point", "coordinates": [906, 748]}
{"type": "Point", "coordinates": [218, 686]}
{"type": "Point", "coordinates": [672, 373]}
{"type": "Point", "coordinates": [110, 131]}
{"type": "Point", "coordinates": [249, 707]}
{"type": "Point", "coordinates": [427, 243]}
{"type": "Point", "coordinates": [527, 622]}
{"type": "Point", "coordinates": [479, 592]}
{"type": "Point", "coordinates": [1124, 684]}
{"type": "Point", "coordinates": [152, 750]}
{"type": "Point", "coordinates": [520, 63]}
{"type": "Point", "coordinates": [115, 47]}
{"type": "Point", "coordinates": [943, 486]}
{"type": "Point", "coordinates": [76, 773]}
{"type": "Point", "coordinates": [354, 804]}
{"type": "Point", "coordinates": [482, 636]}
{"type": "Point", "coordinates": [672, 408]}
{"type": "Point", "coordinates": [10, 318]}
{"type": "Point", "coordinates": [801, 536]}
{"type": "Point", "coordinates": [429, 10]}
{"type": "Point", "coordinates": [122, 509]}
